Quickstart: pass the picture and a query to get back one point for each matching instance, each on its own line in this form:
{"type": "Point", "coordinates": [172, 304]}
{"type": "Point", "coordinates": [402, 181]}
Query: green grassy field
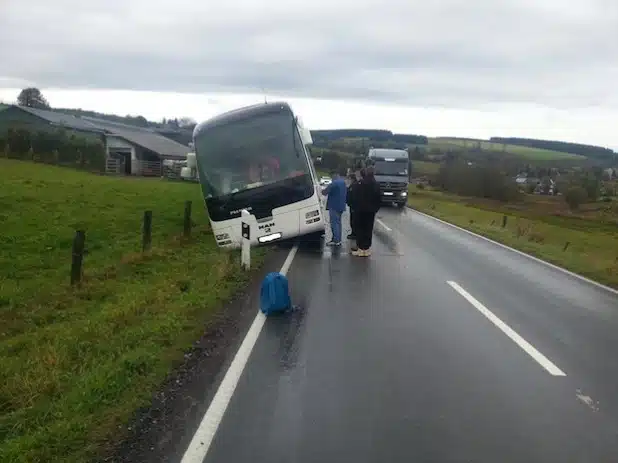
{"type": "Point", "coordinates": [535, 154]}
{"type": "Point", "coordinates": [593, 243]}
{"type": "Point", "coordinates": [76, 363]}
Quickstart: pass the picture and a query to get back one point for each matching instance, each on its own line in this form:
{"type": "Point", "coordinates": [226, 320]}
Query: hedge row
{"type": "Point", "coordinates": [58, 147]}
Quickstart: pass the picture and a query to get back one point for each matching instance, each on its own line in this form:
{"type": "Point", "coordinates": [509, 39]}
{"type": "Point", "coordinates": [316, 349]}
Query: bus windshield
{"type": "Point", "coordinates": [250, 153]}
{"type": "Point", "coordinates": [391, 168]}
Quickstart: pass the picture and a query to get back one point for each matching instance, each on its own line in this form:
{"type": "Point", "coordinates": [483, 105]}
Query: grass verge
{"type": "Point", "coordinates": [586, 246]}
{"type": "Point", "coordinates": [78, 362]}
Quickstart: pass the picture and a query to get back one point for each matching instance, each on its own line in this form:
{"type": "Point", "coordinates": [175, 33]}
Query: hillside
{"type": "Point", "coordinates": [531, 153]}
{"type": "Point", "coordinates": [589, 151]}
{"type": "Point", "coordinates": [369, 134]}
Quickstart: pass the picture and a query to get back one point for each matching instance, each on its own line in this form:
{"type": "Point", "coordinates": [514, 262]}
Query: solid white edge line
{"type": "Point", "coordinates": [203, 437]}
{"type": "Point", "coordinates": [521, 253]}
{"type": "Point", "coordinates": [384, 225]}
{"type": "Point", "coordinates": [551, 368]}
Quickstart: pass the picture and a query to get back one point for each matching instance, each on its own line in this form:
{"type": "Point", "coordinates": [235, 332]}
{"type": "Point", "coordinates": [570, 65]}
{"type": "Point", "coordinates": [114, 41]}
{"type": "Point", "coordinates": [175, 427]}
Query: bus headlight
{"type": "Point", "coordinates": [404, 193]}
{"type": "Point", "coordinates": [311, 214]}
{"type": "Point", "coordinates": [222, 236]}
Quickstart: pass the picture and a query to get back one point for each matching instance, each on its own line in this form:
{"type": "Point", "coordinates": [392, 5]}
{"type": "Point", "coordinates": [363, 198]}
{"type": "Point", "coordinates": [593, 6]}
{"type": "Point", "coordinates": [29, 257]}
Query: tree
{"type": "Point", "coordinates": [592, 186]}
{"type": "Point", "coordinates": [416, 154]}
{"type": "Point", "coordinates": [186, 122]}
{"type": "Point", "coordinates": [33, 98]}
{"type": "Point", "coordinates": [575, 196]}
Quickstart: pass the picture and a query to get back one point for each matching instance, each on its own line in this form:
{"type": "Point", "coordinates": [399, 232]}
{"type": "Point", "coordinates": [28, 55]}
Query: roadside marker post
{"type": "Point", "coordinates": [245, 253]}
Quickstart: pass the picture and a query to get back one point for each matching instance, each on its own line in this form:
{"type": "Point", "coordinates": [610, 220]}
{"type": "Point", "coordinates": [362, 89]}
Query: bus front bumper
{"type": "Point", "coordinates": [281, 227]}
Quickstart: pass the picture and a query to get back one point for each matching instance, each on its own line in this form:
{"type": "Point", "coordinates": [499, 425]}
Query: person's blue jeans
{"type": "Point", "coordinates": [335, 225]}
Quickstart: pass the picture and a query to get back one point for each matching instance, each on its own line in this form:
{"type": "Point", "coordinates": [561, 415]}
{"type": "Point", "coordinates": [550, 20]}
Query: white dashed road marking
{"type": "Point", "coordinates": [521, 342]}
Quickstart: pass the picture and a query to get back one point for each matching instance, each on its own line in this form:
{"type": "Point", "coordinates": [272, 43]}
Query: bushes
{"type": "Point", "coordinates": [476, 180]}
{"type": "Point", "coordinates": [575, 196]}
{"type": "Point", "coordinates": [55, 147]}
{"type": "Point", "coordinates": [331, 159]}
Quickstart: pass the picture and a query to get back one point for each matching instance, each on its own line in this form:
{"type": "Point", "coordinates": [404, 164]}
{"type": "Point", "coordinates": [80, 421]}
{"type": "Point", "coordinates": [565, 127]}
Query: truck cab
{"type": "Point", "coordinates": [391, 173]}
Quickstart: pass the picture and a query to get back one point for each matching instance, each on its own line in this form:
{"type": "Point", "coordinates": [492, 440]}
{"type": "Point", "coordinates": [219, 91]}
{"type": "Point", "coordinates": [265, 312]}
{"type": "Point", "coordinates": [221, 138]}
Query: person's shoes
{"type": "Point", "coordinates": [334, 243]}
{"type": "Point", "coordinates": [361, 252]}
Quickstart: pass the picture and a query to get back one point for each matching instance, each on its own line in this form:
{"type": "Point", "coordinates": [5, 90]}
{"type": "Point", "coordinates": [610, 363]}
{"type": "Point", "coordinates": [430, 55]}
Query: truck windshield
{"type": "Point", "coordinates": [250, 153]}
{"type": "Point", "coordinates": [391, 168]}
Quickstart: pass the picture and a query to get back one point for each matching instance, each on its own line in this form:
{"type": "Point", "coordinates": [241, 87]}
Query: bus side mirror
{"type": "Point", "coordinates": [306, 134]}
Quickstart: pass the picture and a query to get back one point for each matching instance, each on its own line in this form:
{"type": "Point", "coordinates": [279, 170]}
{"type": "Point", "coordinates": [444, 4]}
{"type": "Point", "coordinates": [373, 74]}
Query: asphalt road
{"type": "Point", "coordinates": [441, 347]}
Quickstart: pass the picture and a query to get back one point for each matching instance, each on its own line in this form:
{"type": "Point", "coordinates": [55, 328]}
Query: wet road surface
{"type": "Point", "coordinates": [441, 347]}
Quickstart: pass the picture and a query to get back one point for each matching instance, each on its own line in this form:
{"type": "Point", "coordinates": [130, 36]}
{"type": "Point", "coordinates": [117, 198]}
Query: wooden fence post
{"type": "Point", "coordinates": [187, 219]}
{"type": "Point", "coordinates": [78, 256]}
{"type": "Point", "coordinates": [147, 231]}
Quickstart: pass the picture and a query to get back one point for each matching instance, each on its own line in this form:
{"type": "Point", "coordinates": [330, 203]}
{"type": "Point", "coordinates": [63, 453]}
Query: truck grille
{"type": "Point", "coordinates": [393, 186]}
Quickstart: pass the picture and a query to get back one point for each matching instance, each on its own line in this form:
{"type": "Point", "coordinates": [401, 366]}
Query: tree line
{"type": "Point", "coordinates": [491, 181]}
{"type": "Point", "coordinates": [59, 147]}
{"type": "Point", "coordinates": [590, 151]}
{"type": "Point", "coordinates": [482, 181]}
{"type": "Point", "coordinates": [370, 135]}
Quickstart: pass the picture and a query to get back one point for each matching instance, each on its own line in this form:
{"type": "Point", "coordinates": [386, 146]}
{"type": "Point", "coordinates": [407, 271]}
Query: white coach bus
{"type": "Point", "coordinates": [255, 158]}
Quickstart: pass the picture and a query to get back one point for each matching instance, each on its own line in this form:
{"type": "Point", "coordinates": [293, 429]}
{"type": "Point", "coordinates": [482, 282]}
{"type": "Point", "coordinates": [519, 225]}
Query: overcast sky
{"type": "Point", "coordinates": [543, 68]}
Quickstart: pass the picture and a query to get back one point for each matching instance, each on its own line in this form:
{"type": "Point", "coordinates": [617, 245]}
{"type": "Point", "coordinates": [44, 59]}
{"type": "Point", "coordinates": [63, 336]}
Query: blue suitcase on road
{"type": "Point", "coordinates": [275, 294]}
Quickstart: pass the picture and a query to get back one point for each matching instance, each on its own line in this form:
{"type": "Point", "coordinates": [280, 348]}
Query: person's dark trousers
{"type": "Point", "coordinates": [364, 229]}
{"type": "Point", "coordinates": [353, 218]}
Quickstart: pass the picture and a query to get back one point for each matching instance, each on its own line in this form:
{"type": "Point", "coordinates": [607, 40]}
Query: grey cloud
{"type": "Point", "coordinates": [449, 52]}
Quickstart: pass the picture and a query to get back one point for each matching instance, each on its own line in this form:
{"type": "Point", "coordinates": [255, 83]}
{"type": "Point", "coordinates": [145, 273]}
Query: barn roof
{"type": "Point", "coordinates": [139, 136]}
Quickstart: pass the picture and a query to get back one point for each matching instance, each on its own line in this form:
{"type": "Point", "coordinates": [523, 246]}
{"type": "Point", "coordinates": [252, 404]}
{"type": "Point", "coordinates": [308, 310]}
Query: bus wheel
{"type": "Point", "coordinates": [312, 240]}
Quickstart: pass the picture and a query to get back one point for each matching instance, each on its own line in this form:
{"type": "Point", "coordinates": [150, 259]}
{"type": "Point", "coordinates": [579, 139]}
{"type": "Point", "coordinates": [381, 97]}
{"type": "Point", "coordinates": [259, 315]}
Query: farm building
{"type": "Point", "coordinates": [130, 150]}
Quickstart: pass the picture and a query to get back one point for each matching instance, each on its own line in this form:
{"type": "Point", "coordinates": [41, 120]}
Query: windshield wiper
{"type": "Point", "coordinates": [229, 198]}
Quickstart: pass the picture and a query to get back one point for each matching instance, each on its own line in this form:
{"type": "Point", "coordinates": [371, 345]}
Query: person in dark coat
{"type": "Point", "coordinates": [350, 203]}
{"type": "Point", "coordinates": [367, 202]}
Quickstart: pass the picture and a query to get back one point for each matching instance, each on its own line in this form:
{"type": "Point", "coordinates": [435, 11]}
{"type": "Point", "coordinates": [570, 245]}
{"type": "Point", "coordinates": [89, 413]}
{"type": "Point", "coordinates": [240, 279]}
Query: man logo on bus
{"type": "Point", "coordinates": [266, 226]}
